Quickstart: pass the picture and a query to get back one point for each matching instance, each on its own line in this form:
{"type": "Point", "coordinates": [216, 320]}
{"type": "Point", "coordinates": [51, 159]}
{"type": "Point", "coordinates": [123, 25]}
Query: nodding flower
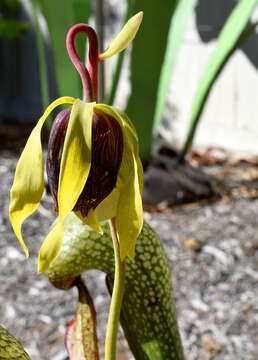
{"type": "Point", "coordinates": [93, 166]}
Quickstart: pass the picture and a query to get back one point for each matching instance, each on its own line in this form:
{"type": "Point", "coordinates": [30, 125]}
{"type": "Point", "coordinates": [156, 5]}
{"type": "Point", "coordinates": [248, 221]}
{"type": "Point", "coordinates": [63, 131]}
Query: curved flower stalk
{"type": "Point", "coordinates": [93, 164]}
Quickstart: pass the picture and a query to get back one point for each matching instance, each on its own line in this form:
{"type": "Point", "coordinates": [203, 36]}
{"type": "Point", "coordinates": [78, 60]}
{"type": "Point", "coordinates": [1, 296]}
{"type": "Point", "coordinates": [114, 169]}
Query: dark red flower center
{"type": "Point", "coordinates": [107, 150]}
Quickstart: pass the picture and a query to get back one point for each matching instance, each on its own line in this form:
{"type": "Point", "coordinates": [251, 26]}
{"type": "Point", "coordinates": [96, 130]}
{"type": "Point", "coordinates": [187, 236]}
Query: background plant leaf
{"type": "Point", "coordinates": [147, 57]}
{"type": "Point", "coordinates": [110, 97]}
{"type": "Point", "coordinates": [44, 88]}
{"type": "Point", "coordinates": [175, 37]}
{"type": "Point", "coordinates": [227, 43]}
{"type": "Point", "coordinates": [71, 12]}
{"type": "Point", "coordinates": [10, 4]}
{"type": "Point", "coordinates": [11, 28]}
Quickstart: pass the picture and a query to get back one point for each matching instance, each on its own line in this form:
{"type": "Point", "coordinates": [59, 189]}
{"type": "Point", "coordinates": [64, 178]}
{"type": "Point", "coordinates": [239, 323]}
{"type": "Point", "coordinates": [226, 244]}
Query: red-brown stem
{"type": "Point", "coordinates": [89, 78]}
{"type": "Point", "coordinates": [93, 60]}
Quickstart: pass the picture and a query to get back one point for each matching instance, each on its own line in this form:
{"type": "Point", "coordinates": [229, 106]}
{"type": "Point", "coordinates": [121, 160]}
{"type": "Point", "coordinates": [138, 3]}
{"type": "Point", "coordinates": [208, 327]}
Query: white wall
{"type": "Point", "coordinates": [230, 118]}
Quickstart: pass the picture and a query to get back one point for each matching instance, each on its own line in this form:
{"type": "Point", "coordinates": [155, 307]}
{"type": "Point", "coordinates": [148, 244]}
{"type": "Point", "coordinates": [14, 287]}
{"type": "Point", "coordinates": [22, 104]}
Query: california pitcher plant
{"type": "Point", "coordinates": [94, 173]}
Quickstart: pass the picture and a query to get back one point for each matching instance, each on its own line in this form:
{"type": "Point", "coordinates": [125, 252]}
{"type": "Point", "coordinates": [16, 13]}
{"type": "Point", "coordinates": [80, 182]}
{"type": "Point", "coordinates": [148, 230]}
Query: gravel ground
{"type": "Point", "coordinates": [213, 251]}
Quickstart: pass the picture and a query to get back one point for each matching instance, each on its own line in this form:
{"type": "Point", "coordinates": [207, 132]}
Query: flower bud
{"type": "Point", "coordinates": [107, 150]}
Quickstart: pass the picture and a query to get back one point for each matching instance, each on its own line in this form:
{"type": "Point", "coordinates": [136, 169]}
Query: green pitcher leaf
{"type": "Point", "coordinates": [148, 311]}
{"type": "Point", "coordinates": [227, 41]}
{"type": "Point", "coordinates": [153, 350]}
{"type": "Point", "coordinates": [10, 347]}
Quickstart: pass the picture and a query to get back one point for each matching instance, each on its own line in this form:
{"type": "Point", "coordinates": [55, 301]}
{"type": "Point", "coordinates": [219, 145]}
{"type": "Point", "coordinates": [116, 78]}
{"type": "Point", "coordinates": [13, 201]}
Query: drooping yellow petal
{"type": "Point", "coordinates": [129, 212]}
{"type": "Point", "coordinates": [108, 207]}
{"type": "Point", "coordinates": [91, 220]}
{"type": "Point", "coordinates": [28, 184]}
{"type": "Point", "coordinates": [74, 171]}
{"type": "Point", "coordinates": [125, 37]}
{"type": "Point", "coordinates": [133, 140]}
{"type": "Point", "coordinates": [129, 218]}
{"type": "Point", "coordinates": [140, 173]}
{"type": "Point", "coordinates": [130, 133]}
{"type": "Point", "coordinates": [50, 247]}
{"type": "Point", "coordinates": [76, 157]}
{"type": "Point", "coordinates": [123, 120]}
{"type": "Point", "coordinates": [127, 124]}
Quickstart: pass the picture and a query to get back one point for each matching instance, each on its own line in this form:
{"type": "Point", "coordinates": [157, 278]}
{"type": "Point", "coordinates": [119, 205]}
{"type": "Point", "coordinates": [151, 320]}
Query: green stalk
{"type": "Point", "coordinates": [117, 297]}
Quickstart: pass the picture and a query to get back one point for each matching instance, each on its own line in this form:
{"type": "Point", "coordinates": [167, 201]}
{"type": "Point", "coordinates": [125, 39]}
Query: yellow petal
{"type": "Point", "coordinates": [132, 139]}
{"type": "Point", "coordinates": [74, 170]}
{"type": "Point", "coordinates": [107, 209]}
{"type": "Point", "coordinates": [76, 157]}
{"type": "Point", "coordinates": [28, 184]}
{"type": "Point", "coordinates": [128, 131]}
{"type": "Point", "coordinates": [91, 220]}
{"type": "Point", "coordinates": [125, 37]}
{"type": "Point", "coordinates": [50, 247]}
{"type": "Point", "coordinates": [129, 212]}
{"type": "Point", "coordinates": [123, 120]}
{"type": "Point", "coordinates": [129, 219]}
{"type": "Point", "coordinates": [140, 173]}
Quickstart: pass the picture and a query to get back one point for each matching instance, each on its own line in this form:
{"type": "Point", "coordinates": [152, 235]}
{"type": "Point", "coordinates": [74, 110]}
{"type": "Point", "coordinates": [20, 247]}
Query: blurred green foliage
{"type": "Point", "coordinates": [148, 52]}
{"type": "Point", "coordinates": [10, 27]}
{"type": "Point", "coordinates": [59, 19]}
{"type": "Point", "coordinates": [153, 57]}
{"type": "Point", "coordinates": [72, 12]}
{"type": "Point", "coordinates": [10, 4]}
